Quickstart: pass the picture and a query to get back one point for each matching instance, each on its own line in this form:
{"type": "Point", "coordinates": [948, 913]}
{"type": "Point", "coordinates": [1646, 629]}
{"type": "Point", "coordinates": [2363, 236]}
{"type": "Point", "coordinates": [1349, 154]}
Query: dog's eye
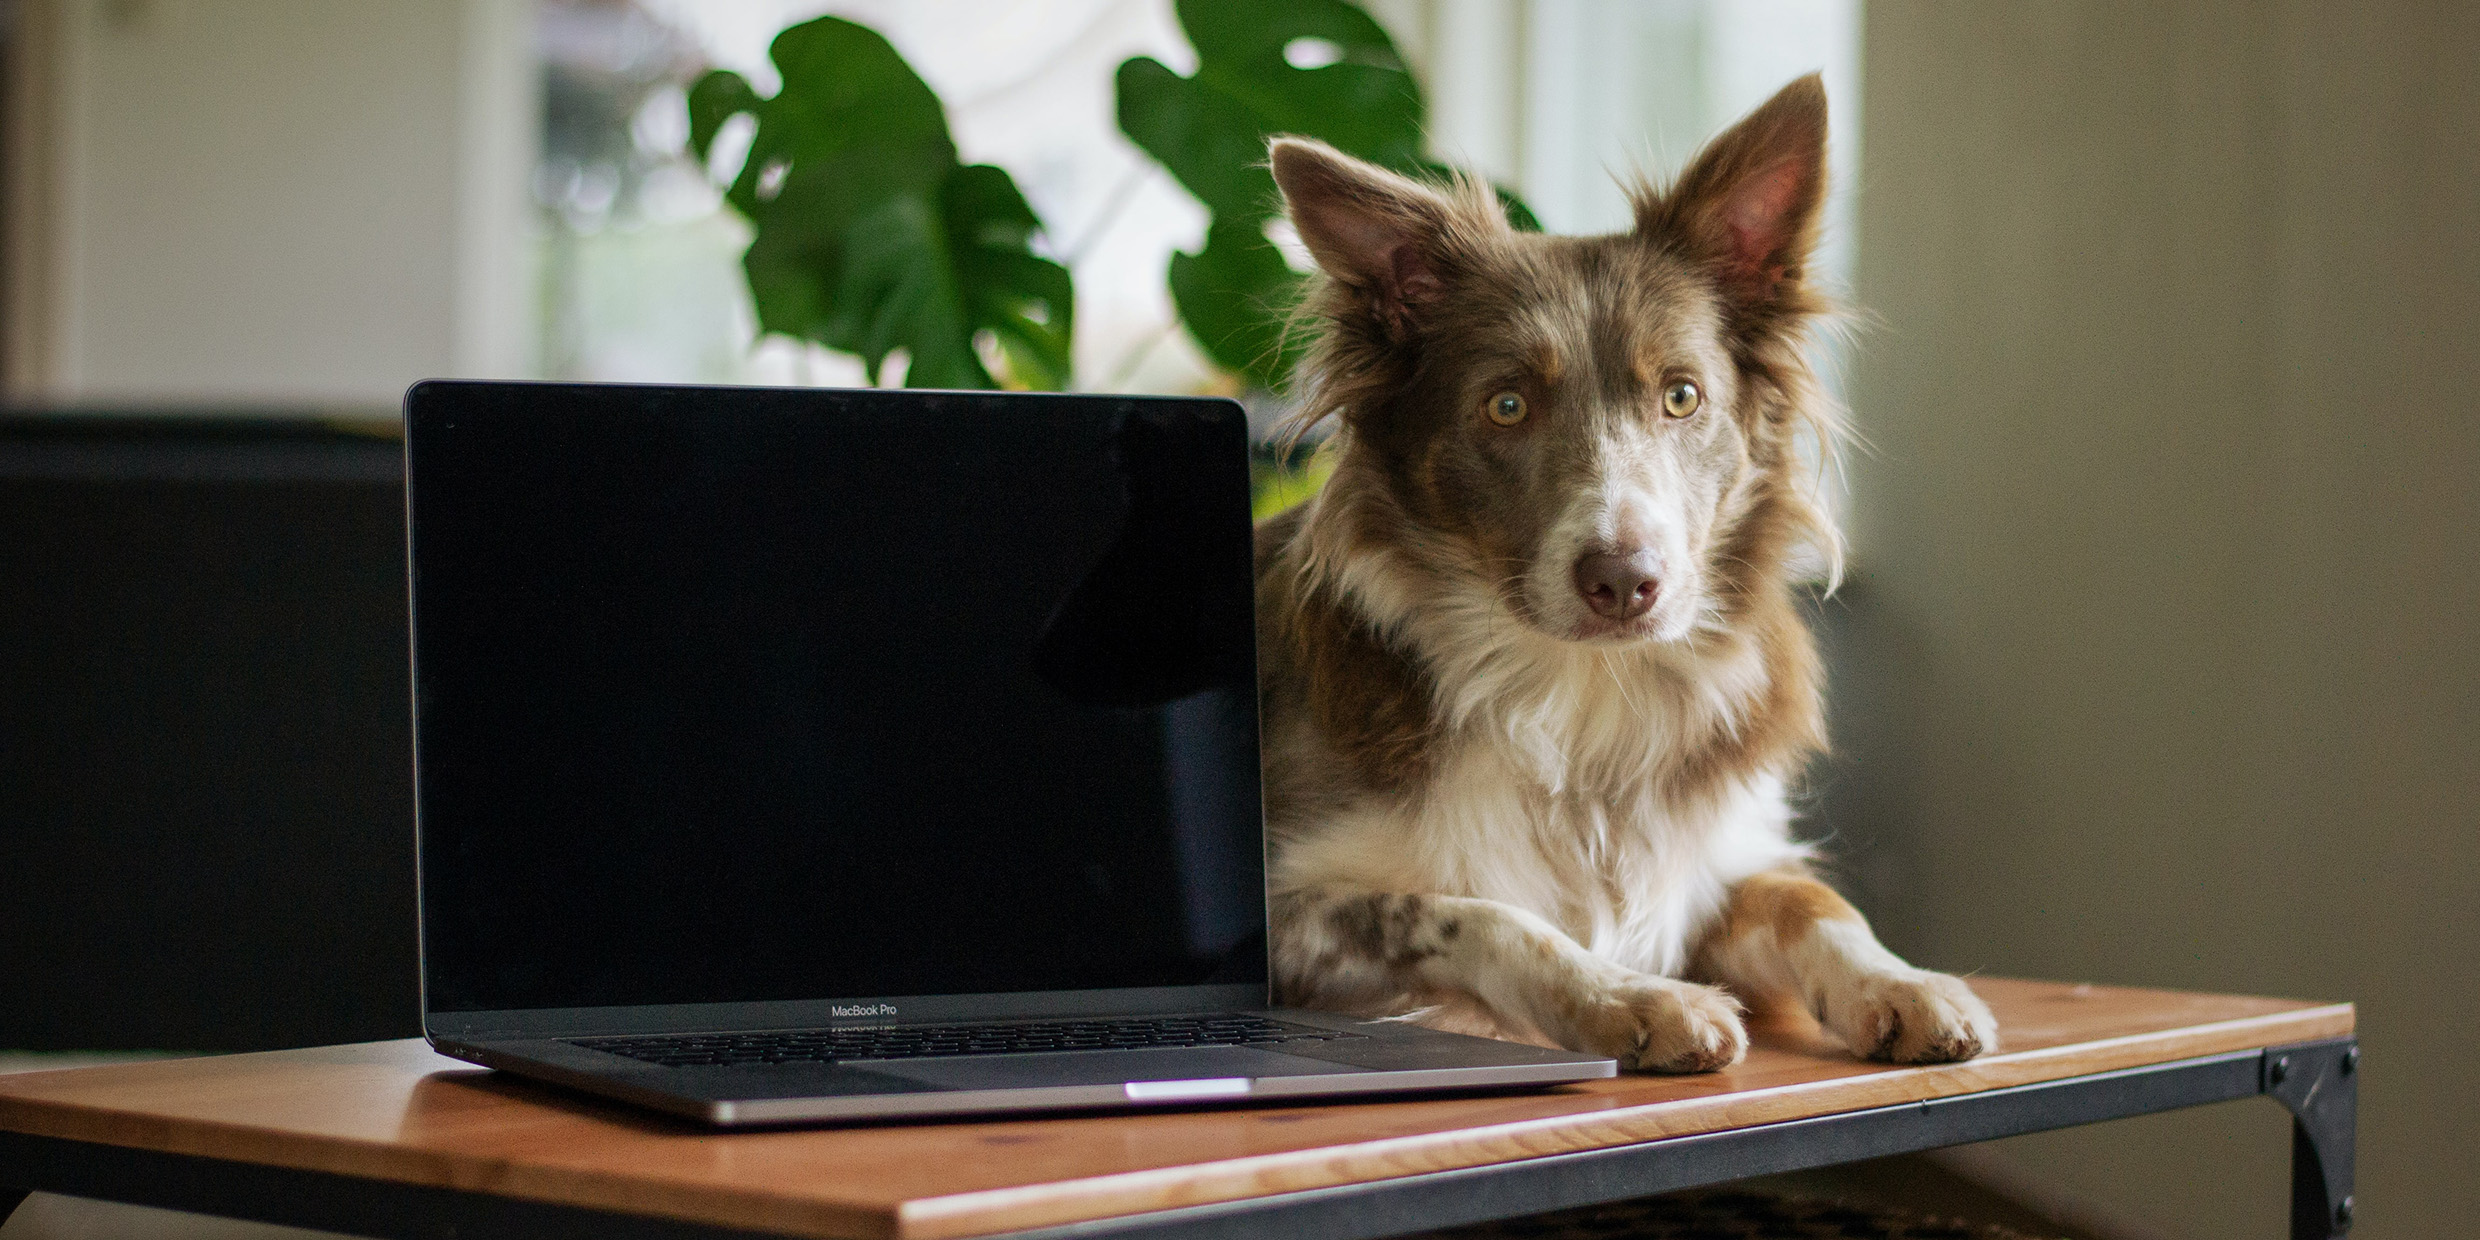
{"type": "Point", "coordinates": [1681, 399]}
{"type": "Point", "coordinates": [1506, 408]}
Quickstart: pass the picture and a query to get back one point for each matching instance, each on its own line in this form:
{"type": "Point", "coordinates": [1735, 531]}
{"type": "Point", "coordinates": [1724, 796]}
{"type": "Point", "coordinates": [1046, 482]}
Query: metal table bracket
{"type": "Point", "coordinates": [2319, 1082]}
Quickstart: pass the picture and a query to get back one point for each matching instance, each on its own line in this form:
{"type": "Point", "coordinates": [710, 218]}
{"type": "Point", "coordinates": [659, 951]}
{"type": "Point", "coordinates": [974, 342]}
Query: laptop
{"type": "Point", "coordinates": [796, 755]}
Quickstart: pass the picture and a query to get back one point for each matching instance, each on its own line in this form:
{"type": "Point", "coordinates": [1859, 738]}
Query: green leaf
{"type": "Point", "coordinates": [716, 98]}
{"type": "Point", "coordinates": [1210, 130]}
{"type": "Point", "coordinates": [871, 237]}
{"type": "Point", "coordinates": [1027, 303]}
{"type": "Point", "coordinates": [1235, 296]}
{"type": "Point", "coordinates": [1213, 144]}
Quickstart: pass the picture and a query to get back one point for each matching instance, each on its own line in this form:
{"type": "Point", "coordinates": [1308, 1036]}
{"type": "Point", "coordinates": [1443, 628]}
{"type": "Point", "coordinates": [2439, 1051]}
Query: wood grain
{"type": "Point", "coordinates": [394, 1111]}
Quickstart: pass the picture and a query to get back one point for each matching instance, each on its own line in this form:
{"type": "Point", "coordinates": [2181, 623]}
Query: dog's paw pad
{"type": "Point", "coordinates": [1915, 1017]}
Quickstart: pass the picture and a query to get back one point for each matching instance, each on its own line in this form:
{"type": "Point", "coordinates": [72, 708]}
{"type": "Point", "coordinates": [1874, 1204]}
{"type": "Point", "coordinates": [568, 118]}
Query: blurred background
{"type": "Point", "coordinates": [2158, 664]}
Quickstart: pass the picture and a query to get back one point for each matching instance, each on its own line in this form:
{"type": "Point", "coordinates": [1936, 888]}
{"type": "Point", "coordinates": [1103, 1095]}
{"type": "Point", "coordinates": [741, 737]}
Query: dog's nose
{"type": "Point", "coordinates": [1618, 585]}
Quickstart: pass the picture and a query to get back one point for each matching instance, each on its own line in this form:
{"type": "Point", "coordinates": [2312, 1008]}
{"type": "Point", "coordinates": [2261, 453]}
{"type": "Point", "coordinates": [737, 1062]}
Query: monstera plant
{"type": "Point", "coordinates": [872, 237]}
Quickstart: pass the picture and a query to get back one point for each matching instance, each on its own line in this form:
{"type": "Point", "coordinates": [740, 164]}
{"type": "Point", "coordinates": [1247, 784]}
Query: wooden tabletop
{"type": "Point", "coordinates": [395, 1111]}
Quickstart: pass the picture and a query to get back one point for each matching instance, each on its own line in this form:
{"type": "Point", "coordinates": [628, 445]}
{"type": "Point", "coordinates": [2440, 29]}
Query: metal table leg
{"type": "Point", "coordinates": [2319, 1082]}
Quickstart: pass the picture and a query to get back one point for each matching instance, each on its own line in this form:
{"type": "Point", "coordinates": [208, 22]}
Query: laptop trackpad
{"type": "Point", "coordinates": [1105, 1067]}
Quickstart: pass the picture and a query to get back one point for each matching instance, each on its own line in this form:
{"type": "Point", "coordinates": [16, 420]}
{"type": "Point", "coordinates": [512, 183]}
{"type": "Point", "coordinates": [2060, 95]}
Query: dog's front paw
{"type": "Point", "coordinates": [1655, 1024]}
{"type": "Point", "coordinates": [1912, 1017]}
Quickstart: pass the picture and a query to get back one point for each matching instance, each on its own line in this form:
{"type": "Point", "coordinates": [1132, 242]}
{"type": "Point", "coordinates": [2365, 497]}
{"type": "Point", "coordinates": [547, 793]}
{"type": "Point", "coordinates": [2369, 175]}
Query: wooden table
{"type": "Point", "coordinates": [386, 1139]}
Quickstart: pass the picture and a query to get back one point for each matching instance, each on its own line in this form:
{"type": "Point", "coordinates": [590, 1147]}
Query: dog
{"type": "Point", "coordinates": [1534, 675]}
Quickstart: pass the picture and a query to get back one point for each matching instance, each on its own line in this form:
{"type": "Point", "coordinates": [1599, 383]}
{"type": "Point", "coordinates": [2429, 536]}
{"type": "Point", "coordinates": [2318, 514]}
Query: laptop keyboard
{"type": "Point", "coordinates": [933, 1041]}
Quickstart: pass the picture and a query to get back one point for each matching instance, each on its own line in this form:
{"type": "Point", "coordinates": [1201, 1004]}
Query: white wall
{"type": "Point", "coordinates": [1567, 99]}
{"type": "Point", "coordinates": [269, 202]}
{"type": "Point", "coordinates": [2165, 662]}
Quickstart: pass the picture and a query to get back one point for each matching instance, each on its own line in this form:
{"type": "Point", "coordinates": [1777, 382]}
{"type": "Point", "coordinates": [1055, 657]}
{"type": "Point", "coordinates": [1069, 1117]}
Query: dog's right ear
{"type": "Point", "coordinates": [1369, 229]}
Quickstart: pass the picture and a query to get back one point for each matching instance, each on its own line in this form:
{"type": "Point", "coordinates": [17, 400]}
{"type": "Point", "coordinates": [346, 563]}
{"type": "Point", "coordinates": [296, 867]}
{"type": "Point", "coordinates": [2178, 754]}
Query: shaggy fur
{"type": "Point", "coordinates": [1501, 800]}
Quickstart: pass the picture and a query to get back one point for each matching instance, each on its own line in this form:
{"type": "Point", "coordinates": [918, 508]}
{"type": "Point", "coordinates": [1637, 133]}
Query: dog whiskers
{"type": "Point", "coordinates": [1619, 682]}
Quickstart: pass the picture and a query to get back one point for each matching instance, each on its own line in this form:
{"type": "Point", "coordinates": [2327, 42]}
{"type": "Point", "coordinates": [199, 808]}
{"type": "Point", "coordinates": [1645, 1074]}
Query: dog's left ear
{"type": "Point", "coordinates": [1749, 204]}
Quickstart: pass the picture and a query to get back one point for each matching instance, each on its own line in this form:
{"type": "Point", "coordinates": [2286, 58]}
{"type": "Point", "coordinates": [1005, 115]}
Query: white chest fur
{"type": "Point", "coordinates": [1546, 785]}
{"type": "Point", "coordinates": [1631, 881]}
{"type": "Point", "coordinates": [1546, 793]}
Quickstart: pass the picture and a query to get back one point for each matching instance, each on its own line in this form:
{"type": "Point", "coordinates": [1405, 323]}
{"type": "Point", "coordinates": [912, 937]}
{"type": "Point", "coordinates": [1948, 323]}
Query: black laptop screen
{"type": "Point", "coordinates": [727, 695]}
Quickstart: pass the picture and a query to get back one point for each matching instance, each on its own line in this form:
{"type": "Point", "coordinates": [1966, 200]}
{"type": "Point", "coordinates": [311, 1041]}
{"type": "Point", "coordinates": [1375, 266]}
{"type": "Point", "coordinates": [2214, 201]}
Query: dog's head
{"type": "Point", "coordinates": [1600, 429]}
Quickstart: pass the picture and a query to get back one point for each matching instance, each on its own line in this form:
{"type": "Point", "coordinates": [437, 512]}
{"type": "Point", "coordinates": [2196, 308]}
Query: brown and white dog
{"type": "Point", "coordinates": [1533, 671]}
